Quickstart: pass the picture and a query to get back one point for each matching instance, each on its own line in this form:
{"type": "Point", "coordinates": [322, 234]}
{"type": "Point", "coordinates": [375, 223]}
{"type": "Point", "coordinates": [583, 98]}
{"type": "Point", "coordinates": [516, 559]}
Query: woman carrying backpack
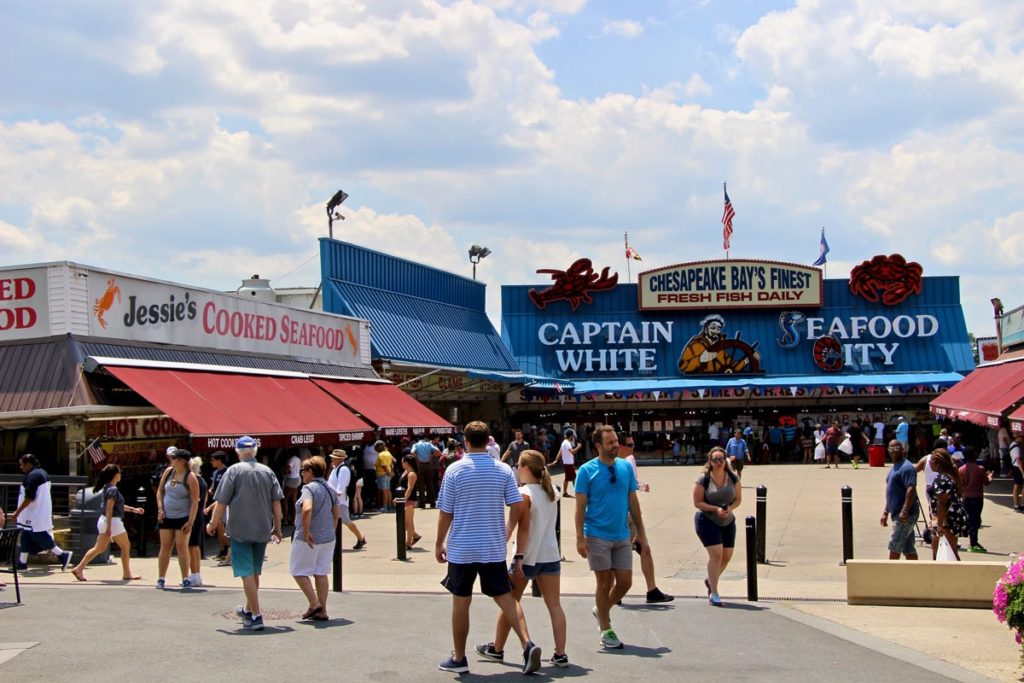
{"type": "Point", "coordinates": [716, 493]}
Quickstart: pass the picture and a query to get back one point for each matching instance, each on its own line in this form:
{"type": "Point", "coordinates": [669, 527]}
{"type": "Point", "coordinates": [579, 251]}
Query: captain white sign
{"type": "Point", "coordinates": [730, 284]}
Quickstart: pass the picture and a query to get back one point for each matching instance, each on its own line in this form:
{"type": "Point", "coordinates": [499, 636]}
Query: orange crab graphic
{"type": "Point", "coordinates": [104, 303]}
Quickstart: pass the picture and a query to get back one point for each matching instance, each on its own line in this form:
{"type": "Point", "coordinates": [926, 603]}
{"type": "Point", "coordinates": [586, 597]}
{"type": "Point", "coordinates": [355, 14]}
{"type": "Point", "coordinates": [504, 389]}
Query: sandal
{"type": "Point", "coordinates": [415, 539]}
{"type": "Point", "coordinates": [312, 612]}
{"type": "Point", "coordinates": [78, 576]}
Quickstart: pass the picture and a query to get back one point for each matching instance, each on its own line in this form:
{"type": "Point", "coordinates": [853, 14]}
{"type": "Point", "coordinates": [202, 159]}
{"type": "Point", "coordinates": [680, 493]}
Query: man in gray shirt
{"type": "Point", "coordinates": [252, 496]}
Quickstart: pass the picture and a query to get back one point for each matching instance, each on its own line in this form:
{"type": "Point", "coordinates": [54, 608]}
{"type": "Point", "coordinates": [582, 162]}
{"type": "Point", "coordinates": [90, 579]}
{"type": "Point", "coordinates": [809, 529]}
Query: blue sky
{"type": "Point", "coordinates": [198, 141]}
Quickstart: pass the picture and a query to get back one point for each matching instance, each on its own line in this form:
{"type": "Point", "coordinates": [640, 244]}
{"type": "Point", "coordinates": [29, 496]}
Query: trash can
{"type": "Point", "coordinates": [83, 520]}
{"type": "Point", "coordinates": [876, 455]}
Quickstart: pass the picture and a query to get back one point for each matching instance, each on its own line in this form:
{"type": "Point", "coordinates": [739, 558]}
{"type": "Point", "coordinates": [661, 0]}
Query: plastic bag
{"type": "Point", "coordinates": [846, 446]}
{"type": "Point", "coordinates": [945, 553]}
{"type": "Point", "coordinates": [819, 451]}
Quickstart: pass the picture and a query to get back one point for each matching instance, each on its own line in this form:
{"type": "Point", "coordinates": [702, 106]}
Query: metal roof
{"type": "Point", "coordinates": [172, 354]}
{"type": "Point", "coordinates": [418, 314]}
{"type": "Point", "coordinates": [40, 375]}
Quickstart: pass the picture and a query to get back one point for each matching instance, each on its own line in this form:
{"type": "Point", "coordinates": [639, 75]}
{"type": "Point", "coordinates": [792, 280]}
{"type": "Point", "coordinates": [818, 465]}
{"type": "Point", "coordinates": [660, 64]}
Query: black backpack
{"type": "Point", "coordinates": [707, 478]}
{"type": "Point", "coordinates": [350, 490]}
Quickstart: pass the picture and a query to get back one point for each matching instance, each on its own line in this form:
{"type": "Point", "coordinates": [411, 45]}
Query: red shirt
{"type": "Point", "coordinates": [974, 479]}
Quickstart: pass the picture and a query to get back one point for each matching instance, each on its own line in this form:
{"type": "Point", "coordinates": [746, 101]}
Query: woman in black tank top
{"type": "Point", "coordinates": [412, 496]}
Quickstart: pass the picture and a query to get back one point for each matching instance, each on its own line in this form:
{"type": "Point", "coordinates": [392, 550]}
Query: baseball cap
{"type": "Point", "coordinates": [181, 454]}
{"type": "Point", "coordinates": [170, 450]}
{"type": "Point", "coordinates": [245, 442]}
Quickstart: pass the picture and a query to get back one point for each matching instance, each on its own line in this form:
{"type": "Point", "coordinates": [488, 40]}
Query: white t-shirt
{"type": "Point", "coordinates": [542, 545]}
{"type": "Point", "coordinates": [494, 450]}
{"type": "Point", "coordinates": [1004, 438]}
{"type": "Point", "coordinates": [338, 480]}
{"type": "Point", "coordinates": [1015, 454]}
{"type": "Point", "coordinates": [879, 428]}
{"type": "Point", "coordinates": [293, 467]}
{"type": "Point", "coordinates": [37, 515]}
{"type": "Point", "coordinates": [566, 452]}
{"type": "Point", "coordinates": [713, 431]}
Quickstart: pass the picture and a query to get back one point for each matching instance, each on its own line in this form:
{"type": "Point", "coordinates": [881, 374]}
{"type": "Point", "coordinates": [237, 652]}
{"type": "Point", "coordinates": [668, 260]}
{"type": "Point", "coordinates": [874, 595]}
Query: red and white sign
{"type": "Point", "coordinates": [24, 310]}
{"type": "Point", "coordinates": [100, 303]}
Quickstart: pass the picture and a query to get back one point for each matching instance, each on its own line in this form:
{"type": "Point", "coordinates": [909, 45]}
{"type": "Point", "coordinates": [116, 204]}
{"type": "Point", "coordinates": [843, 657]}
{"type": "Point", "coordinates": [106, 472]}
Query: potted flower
{"type": "Point", "coordinates": [1008, 600]}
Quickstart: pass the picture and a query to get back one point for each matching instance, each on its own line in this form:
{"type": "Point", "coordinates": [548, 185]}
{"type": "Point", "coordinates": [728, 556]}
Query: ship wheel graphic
{"type": "Point", "coordinates": [734, 355]}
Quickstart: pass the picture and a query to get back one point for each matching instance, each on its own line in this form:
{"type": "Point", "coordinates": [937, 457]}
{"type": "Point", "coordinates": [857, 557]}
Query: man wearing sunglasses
{"type": "Point", "coordinates": [605, 493]}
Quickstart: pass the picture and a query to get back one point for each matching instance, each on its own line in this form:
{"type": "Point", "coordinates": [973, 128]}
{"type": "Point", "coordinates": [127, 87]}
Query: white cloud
{"type": "Point", "coordinates": [624, 28]}
{"type": "Point", "coordinates": [697, 87]}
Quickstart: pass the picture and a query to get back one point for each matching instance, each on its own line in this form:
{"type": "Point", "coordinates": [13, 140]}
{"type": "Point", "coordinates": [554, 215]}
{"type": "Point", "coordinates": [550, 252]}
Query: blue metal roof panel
{"type": "Point", "coordinates": [421, 330]}
{"type": "Point", "coordinates": [908, 379]}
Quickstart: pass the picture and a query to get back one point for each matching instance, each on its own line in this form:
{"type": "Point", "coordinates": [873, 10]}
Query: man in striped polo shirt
{"type": "Point", "coordinates": [472, 500]}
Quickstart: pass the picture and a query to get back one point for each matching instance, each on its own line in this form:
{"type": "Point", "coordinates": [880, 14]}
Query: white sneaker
{"type": "Point", "coordinates": [197, 580]}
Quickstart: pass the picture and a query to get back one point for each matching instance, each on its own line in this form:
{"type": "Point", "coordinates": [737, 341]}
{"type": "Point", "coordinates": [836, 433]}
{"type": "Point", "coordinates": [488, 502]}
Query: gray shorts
{"type": "Point", "coordinates": [603, 555]}
{"type": "Point", "coordinates": [902, 539]}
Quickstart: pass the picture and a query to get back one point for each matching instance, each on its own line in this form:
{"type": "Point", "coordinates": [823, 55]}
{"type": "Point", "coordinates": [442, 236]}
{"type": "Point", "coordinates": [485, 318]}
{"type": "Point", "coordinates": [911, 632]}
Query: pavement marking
{"type": "Point", "coordinates": [9, 651]}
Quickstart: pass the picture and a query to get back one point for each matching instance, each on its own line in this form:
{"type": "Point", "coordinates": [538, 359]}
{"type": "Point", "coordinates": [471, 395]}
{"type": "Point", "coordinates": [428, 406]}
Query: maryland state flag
{"type": "Point", "coordinates": [631, 253]}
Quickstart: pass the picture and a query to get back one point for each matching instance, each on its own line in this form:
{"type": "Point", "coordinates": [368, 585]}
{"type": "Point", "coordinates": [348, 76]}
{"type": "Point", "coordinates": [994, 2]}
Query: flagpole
{"type": "Point", "coordinates": [625, 238]}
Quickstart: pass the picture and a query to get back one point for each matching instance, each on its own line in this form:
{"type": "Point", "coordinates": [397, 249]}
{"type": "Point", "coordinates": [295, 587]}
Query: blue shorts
{"type": "Point", "coordinates": [710, 533]}
{"type": "Point", "coordinates": [532, 571]}
{"type": "Point", "coordinates": [384, 483]}
{"type": "Point", "coordinates": [247, 558]}
{"type": "Point", "coordinates": [36, 542]}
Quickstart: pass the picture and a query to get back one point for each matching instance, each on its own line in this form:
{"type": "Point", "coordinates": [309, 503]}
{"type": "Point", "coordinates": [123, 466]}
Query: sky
{"type": "Point", "coordinates": [198, 142]}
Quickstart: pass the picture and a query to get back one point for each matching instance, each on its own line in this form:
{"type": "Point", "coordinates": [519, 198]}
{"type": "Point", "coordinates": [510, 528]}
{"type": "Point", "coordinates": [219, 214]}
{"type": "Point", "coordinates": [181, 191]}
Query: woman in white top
{"type": "Point", "coordinates": [540, 560]}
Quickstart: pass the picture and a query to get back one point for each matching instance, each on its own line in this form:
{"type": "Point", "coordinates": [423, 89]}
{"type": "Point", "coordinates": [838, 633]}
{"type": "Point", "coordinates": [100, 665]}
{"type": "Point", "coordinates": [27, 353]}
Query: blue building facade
{"type": "Point", "coordinates": [610, 345]}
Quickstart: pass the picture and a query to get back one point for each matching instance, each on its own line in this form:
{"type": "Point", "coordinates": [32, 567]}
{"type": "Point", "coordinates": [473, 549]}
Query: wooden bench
{"type": "Point", "coordinates": [922, 583]}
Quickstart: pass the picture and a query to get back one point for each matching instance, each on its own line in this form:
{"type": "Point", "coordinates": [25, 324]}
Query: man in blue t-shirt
{"type": "Point", "coordinates": [605, 493]}
{"type": "Point", "coordinates": [736, 449]}
{"type": "Point", "coordinates": [427, 457]}
{"type": "Point", "coordinates": [901, 503]}
{"type": "Point", "coordinates": [903, 433]}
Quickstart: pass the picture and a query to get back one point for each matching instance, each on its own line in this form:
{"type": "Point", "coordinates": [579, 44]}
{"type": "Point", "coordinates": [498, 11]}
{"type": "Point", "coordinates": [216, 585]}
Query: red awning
{"type": "Point", "coordinates": [217, 407]}
{"type": "Point", "coordinates": [984, 395]}
{"type": "Point", "coordinates": [387, 407]}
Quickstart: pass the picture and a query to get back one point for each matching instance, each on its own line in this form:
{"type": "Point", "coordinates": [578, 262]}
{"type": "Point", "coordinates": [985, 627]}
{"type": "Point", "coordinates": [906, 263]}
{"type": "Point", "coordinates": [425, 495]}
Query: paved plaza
{"type": "Point", "coordinates": [392, 620]}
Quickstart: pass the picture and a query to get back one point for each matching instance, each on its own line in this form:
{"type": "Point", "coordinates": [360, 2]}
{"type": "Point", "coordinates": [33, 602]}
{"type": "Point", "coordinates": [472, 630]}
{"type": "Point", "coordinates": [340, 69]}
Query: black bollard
{"type": "Point", "coordinates": [400, 523]}
{"type": "Point", "coordinates": [336, 565]}
{"type": "Point", "coordinates": [140, 501]}
{"type": "Point", "coordinates": [847, 497]}
{"type": "Point", "coordinates": [762, 523]}
{"type": "Point", "coordinates": [751, 560]}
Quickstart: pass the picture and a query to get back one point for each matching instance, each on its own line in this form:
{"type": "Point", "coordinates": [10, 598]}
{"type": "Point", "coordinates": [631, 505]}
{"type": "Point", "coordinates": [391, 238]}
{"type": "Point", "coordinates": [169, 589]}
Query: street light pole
{"type": "Point", "coordinates": [332, 205]}
{"type": "Point", "coordinates": [476, 252]}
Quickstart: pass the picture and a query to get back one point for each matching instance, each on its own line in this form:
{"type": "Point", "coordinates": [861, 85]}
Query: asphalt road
{"type": "Point", "coordinates": [109, 632]}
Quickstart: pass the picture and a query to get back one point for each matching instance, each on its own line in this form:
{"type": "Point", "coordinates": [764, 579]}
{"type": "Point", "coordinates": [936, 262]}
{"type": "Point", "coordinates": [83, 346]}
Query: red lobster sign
{"type": "Point", "coordinates": [889, 279]}
{"type": "Point", "coordinates": [574, 285]}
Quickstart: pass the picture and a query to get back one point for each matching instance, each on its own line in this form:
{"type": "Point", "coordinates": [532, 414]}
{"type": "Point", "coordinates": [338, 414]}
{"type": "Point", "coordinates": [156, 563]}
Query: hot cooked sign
{"type": "Point", "coordinates": [730, 284]}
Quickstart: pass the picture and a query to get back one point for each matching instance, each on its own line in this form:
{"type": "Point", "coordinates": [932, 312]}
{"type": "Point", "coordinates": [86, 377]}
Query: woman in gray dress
{"type": "Point", "coordinates": [716, 493]}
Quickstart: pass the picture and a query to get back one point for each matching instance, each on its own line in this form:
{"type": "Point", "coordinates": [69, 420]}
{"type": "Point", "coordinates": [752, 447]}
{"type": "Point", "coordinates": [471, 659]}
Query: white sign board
{"type": "Point", "coordinates": [24, 309]}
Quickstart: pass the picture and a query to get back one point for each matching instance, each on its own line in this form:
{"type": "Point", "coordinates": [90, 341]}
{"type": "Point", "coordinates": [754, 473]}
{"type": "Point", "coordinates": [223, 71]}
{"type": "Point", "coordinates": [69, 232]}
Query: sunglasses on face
{"type": "Point", "coordinates": [718, 459]}
{"type": "Point", "coordinates": [628, 445]}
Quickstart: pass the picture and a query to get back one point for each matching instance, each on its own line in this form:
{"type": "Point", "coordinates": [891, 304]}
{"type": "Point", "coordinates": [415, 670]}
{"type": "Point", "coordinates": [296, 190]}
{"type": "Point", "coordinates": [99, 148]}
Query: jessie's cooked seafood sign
{"type": "Point", "coordinates": [729, 284]}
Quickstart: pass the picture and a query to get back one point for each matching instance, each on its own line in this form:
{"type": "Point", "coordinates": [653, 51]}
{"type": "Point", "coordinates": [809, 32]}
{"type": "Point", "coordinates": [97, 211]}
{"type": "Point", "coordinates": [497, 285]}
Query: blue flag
{"type": "Point", "coordinates": [822, 250]}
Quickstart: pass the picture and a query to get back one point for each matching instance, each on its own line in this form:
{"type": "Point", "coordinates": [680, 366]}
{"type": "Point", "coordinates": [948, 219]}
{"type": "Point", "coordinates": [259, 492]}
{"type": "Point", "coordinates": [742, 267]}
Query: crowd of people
{"type": "Point", "coordinates": [473, 483]}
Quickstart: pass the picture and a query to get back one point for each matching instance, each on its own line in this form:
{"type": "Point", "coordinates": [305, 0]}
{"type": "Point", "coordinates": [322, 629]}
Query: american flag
{"type": "Point", "coordinates": [727, 215]}
{"type": "Point", "coordinates": [96, 453]}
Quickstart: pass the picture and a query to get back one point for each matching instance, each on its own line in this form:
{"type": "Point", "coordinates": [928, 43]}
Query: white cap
{"type": "Point", "coordinates": [170, 450]}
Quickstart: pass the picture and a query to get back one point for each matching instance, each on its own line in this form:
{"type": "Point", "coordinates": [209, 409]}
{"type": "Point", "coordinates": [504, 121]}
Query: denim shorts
{"type": "Point", "coordinates": [532, 571]}
{"type": "Point", "coordinates": [902, 539]}
{"type": "Point", "coordinates": [384, 482]}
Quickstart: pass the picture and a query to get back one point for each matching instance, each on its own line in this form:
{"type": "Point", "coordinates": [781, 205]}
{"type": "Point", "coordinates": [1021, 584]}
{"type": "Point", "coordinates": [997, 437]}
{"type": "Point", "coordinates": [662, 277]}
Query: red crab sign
{"type": "Point", "coordinates": [574, 285]}
{"type": "Point", "coordinates": [889, 279]}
